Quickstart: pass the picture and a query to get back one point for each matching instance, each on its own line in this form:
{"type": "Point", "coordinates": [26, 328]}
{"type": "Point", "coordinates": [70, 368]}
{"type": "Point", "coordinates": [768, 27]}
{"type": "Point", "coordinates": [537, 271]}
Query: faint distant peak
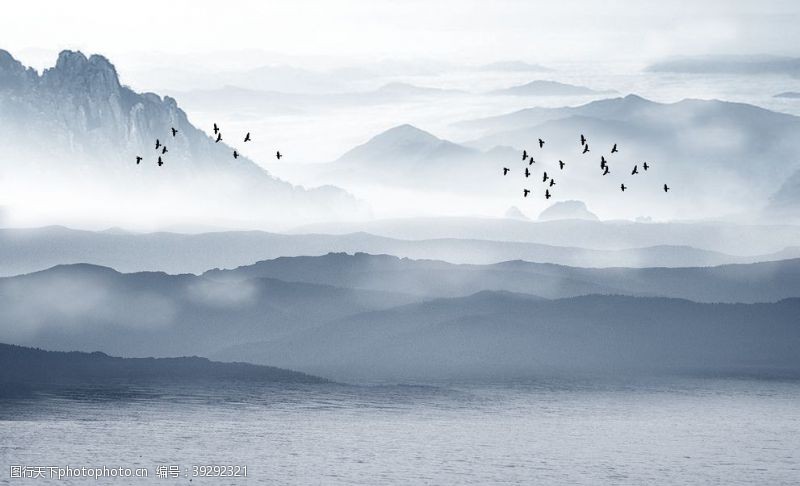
{"type": "Point", "coordinates": [568, 210]}
{"type": "Point", "coordinates": [515, 213]}
{"type": "Point", "coordinates": [406, 132]}
{"type": "Point", "coordinates": [514, 66]}
{"type": "Point", "coordinates": [544, 87]}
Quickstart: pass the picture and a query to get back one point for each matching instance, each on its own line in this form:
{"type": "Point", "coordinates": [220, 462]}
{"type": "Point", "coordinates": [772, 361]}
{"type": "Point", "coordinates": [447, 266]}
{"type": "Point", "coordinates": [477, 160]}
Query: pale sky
{"type": "Point", "coordinates": [459, 30]}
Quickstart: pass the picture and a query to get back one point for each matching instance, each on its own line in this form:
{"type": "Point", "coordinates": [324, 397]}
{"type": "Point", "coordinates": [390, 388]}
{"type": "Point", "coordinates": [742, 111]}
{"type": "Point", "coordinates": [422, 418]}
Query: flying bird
{"type": "Point", "coordinates": [531, 161]}
{"type": "Point", "coordinates": [524, 154]}
{"type": "Point", "coordinates": [614, 149]}
{"type": "Point", "coordinates": [602, 162]}
{"type": "Point", "coordinates": [645, 166]}
{"type": "Point", "coordinates": [527, 172]}
{"type": "Point", "coordinates": [247, 137]}
{"type": "Point", "coordinates": [544, 177]}
{"type": "Point", "coordinates": [138, 159]}
{"type": "Point", "coordinates": [160, 162]}
{"type": "Point", "coordinates": [586, 148]}
{"type": "Point", "coordinates": [541, 143]}
{"type": "Point", "coordinates": [164, 149]}
{"type": "Point", "coordinates": [666, 188]}
{"type": "Point", "coordinates": [606, 171]}
{"type": "Point", "coordinates": [278, 155]}
{"type": "Point", "coordinates": [622, 186]}
{"type": "Point", "coordinates": [219, 137]}
{"type": "Point", "coordinates": [635, 170]}
{"type": "Point", "coordinates": [525, 192]}
{"type": "Point", "coordinates": [506, 170]}
{"type": "Point", "coordinates": [547, 194]}
{"type": "Point", "coordinates": [235, 154]}
{"type": "Point", "coordinates": [552, 182]}
{"type": "Point", "coordinates": [174, 131]}
{"type": "Point", "coordinates": [216, 129]}
{"type": "Point", "coordinates": [583, 140]}
{"type": "Point", "coordinates": [561, 164]}
{"type": "Point", "coordinates": [158, 144]}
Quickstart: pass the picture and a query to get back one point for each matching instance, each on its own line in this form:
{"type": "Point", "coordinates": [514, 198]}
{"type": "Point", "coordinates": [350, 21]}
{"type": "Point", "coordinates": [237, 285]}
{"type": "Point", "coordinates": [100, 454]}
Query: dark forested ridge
{"type": "Point", "coordinates": [33, 366]}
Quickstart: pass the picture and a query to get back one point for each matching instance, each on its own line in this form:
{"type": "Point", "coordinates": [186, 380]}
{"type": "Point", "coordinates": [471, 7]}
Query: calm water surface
{"type": "Point", "coordinates": [691, 431]}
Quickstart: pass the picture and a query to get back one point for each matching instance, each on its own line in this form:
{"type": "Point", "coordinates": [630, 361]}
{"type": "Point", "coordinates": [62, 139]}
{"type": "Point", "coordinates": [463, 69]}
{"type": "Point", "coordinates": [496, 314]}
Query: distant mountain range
{"type": "Point", "coordinates": [729, 65]}
{"type": "Point", "coordinates": [408, 157]}
{"type": "Point", "coordinates": [547, 88]}
{"type": "Point", "coordinates": [721, 236]}
{"type": "Point", "coordinates": [627, 244]}
{"type": "Point", "coordinates": [499, 336]}
{"type": "Point", "coordinates": [28, 367]}
{"type": "Point", "coordinates": [695, 144]}
{"type": "Point", "coordinates": [77, 125]}
{"type": "Point", "coordinates": [759, 282]}
{"type": "Point", "coordinates": [86, 307]}
{"type": "Point", "coordinates": [379, 317]}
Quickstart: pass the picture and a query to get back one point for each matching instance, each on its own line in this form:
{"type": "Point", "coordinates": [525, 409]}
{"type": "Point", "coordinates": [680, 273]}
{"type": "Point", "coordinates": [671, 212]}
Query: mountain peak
{"type": "Point", "coordinates": [73, 68]}
{"type": "Point", "coordinates": [407, 132]}
{"type": "Point", "coordinates": [12, 72]}
{"type": "Point", "coordinates": [407, 143]}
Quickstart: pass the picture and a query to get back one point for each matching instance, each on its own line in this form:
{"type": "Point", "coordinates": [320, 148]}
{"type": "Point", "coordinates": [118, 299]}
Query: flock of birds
{"type": "Point", "coordinates": [550, 181]}
{"type": "Point", "coordinates": [161, 148]}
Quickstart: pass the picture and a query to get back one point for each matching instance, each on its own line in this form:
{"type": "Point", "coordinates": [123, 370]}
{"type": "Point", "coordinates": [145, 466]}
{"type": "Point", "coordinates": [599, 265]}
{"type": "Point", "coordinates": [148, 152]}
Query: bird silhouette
{"type": "Point", "coordinates": [219, 137]}
{"type": "Point", "coordinates": [138, 159]}
{"type": "Point", "coordinates": [666, 188]}
{"type": "Point", "coordinates": [278, 155]}
{"type": "Point", "coordinates": [541, 143]}
{"type": "Point", "coordinates": [525, 192]}
{"type": "Point", "coordinates": [531, 161]}
{"type": "Point", "coordinates": [645, 166]}
{"type": "Point", "coordinates": [547, 194]}
{"type": "Point", "coordinates": [614, 149]}
{"type": "Point", "coordinates": [606, 171]}
{"type": "Point", "coordinates": [524, 154]}
{"type": "Point", "coordinates": [160, 162]}
{"type": "Point", "coordinates": [158, 144]}
{"type": "Point", "coordinates": [635, 170]}
{"type": "Point", "coordinates": [527, 172]}
{"type": "Point", "coordinates": [552, 182]}
{"type": "Point", "coordinates": [586, 148]}
{"type": "Point", "coordinates": [545, 177]}
{"type": "Point", "coordinates": [602, 162]}
{"type": "Point", "coordinates": [622, 186]}
{"type": "Point", "coordinates": [174, 131]}
{"type": "Point", "coordinates": [164, 149]}
{"type": "Point", "coordinates": [583, 140]}
{"type": "Point", "coordinates": [216, 129]}
{"type": "Point", "coordinates": [506, 170]}
{"type": "Point", "coordinates": [247, 137]}
{"type": "Point", "coordinates": [235, 154]}
{"type": "Point", "coordinates": [561, 164]}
